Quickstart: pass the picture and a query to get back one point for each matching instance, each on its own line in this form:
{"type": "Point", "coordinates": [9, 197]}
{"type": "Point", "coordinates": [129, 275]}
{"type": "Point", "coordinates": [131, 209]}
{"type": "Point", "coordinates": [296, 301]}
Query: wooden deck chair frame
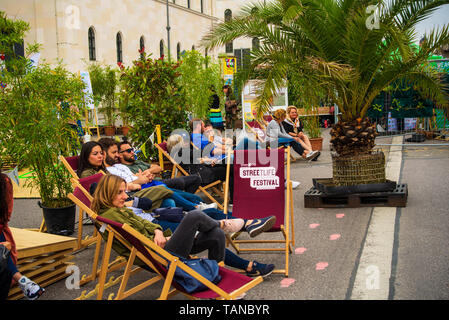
{"type": "Point", "coordinates": [68, 166]}
{"type": "Point", "coordinates": [96, 272]}
{"type": "Point", "coordinates": [203, 189]}
{"type": "Point", "coordinates": [287, 230]}
{"type": "Point", "coordinates": [89, 240]}
{"type": "Point", "coordinates": [170, 262]}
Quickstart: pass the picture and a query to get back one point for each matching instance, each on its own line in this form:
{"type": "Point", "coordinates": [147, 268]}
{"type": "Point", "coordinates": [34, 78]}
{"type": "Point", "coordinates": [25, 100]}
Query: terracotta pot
{"type": "Point", "coordinates": [317, 143]}
{"type": "Point", "coordinates": [125, 130]}
{"type": "Point", "coordinates": [109, 130]}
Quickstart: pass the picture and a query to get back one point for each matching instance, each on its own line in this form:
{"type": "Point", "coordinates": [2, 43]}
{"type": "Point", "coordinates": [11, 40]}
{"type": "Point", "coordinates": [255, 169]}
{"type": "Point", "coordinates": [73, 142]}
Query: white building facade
{"type": "Point", "coordinates": [109, 31]}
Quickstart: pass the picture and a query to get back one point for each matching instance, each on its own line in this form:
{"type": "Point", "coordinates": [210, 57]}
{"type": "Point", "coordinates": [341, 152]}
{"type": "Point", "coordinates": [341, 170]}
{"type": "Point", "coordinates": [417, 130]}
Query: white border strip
{"type": "Point", "coordinates": [372, 281]}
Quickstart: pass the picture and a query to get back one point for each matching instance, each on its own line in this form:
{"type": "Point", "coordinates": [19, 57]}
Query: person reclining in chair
{"type": "Point", "coordinates": [110, 201]}
{"type": "Point", "coordinates": [127, 157]}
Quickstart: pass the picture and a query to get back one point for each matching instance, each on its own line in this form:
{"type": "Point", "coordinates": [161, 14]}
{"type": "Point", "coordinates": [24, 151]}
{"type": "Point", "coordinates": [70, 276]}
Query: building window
{"type": "Point", "coordinates": [229, 47]}
{"type": "Point", "coordinates": [227, 15]}
{"type": "Point", "coordinates": [178, 51]}
{"type": "Point", "coordinates": [142, 47]}
{"type": "Point", "coordinates": [193, 47]}
{"type": "Point", "coordinates": [161, 48]}
{"type": "Point", "coordinates": [256, 43]}
{"type": "Point", "coordinates": [119, 47]}
{"type": "Point", "coordinates": [202, 6]}
{"type": "Point", "coordinates": [91, 41]}
{"type": "Point", "coordinates": [188, 4]}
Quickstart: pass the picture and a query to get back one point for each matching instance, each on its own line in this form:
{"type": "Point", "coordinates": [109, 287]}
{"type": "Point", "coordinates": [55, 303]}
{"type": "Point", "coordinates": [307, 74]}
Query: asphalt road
{"type": "Point", "coordinates": [330, 242]}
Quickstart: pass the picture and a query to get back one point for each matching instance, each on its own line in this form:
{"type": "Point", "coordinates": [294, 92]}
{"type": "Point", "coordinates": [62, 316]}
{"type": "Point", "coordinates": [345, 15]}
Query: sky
{"type": "Point", "coordinates": [438, 18]}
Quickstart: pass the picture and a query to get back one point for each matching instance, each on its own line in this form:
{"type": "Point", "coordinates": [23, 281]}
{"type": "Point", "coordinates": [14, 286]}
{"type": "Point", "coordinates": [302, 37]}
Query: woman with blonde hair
{"type": "Point", "coordinates": [294, 127]}
{"type": "Point", "coordinates": [277, 135]}
{"type": "Point", "coordinates": [195, 233]}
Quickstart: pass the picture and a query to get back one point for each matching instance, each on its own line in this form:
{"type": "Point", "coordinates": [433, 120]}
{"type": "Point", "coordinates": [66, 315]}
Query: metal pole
{"type": "Point", "coordinates": [168, 32]}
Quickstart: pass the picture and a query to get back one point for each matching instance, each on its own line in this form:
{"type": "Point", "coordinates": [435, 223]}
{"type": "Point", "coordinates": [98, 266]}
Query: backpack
{"type": "Point", "coordinates": [209, 269]}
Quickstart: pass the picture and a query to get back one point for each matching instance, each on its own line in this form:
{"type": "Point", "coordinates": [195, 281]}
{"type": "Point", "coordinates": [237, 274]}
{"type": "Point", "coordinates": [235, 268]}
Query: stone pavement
{"type": "Point", "coordinates": [337, 252]}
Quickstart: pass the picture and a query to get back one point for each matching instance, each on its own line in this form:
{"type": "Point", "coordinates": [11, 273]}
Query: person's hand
{"type": "Point", "coordinates": [6, 244]}
{"type": "Point", "coordinates": [301, 135]}
{"type": "Point", "coordinates": [133, 186]}
{"type": "Point", "coordinates": [159, 238]}
{"type": "Point", "coordinates": [142, 176]}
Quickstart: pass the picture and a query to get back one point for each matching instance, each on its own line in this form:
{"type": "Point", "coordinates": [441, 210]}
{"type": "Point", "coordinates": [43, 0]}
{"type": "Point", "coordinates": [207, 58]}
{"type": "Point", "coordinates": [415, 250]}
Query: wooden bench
{"type": "Point", "coordinates": [42, 257]}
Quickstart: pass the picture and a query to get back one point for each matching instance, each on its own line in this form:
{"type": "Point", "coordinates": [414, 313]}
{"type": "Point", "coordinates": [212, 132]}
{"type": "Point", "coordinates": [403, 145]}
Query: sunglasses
{"type": "Point", "coordinates": [129, 150]}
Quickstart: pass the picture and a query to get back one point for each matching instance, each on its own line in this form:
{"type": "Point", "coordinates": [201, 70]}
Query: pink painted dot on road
{"type": "Point", "coordinates": [313, 225]}
{"type": "Point", "coordinates": [335, 236]}
{"type": "Point", "coordinates": [300, 250]}
{"type": "Point", "coordinates": [340, 215]}
{"type": "Point", "coordinates": [321, 265]}
{"type": "Point", "coordinates": [287, 282]}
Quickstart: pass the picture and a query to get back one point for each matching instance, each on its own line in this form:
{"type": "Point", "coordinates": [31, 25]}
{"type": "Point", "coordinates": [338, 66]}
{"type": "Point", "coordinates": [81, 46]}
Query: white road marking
{"type": "Point", "coordinates": [372, 281]}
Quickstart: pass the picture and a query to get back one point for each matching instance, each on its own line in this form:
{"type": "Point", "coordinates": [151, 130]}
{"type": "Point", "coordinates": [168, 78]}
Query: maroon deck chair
{"type": "Point", "coordinates": [81, 191]}
{"type": "Point", "coordinates": [231, 286]}
{"type": "Point", "coordinates": [259, 191]}
{"type": "Point", "coordinates": [83, 200]}
{"type": "Point", "coordinates": [71, 164]}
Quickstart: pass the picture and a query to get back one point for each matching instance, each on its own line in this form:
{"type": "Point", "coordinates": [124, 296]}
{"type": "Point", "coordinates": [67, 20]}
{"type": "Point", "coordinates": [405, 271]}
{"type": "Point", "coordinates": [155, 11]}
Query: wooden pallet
{"type": "Point", "coordinates": [42, 257]}
{"type": "Point", "coordinates": [314, 198]}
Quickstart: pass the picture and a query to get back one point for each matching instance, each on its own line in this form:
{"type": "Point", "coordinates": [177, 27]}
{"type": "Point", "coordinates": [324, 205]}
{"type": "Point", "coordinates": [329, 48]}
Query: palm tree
{"type": "Point", "coordinates": [353, 49]}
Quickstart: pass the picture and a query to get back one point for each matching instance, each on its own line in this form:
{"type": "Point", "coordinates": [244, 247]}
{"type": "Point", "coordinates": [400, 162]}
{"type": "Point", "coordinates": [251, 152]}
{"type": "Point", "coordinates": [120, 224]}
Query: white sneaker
{"type": "Point", "coordinates": [312, 155]}
{"type": "Point", "coordinates": [203, 206]}
{"type": "Point", "coordinates": [232, 225]}
{"type": "Point", "coordinates": [31, 289]}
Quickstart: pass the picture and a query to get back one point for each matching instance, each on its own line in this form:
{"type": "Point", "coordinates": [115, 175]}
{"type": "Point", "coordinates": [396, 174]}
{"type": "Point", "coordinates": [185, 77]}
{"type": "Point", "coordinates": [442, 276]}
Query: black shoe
{"type": "Point", "coordinates": [260, 269]}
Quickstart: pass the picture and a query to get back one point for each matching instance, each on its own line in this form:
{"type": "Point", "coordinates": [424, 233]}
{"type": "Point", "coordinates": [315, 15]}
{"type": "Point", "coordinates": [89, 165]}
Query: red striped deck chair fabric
{"type": "Point", "coordinates": [259, 191]}
{"type": "Point", "coordinates": [231, 286]}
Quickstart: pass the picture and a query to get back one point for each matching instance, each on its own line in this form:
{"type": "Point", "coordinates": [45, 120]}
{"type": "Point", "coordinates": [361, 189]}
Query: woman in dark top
{"type": "Point", "coordinates": [294, 127]}
{"type": "Point", "coordinates": [91, 159]}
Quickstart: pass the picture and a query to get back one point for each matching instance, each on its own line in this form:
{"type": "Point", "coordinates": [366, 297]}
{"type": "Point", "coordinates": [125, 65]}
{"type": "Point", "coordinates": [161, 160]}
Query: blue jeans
{"type": "Point", "coordinates": [182, 199]}
{"type": "Point", "coordinates": [246, 143]}
{"type": "Point", "coordinates": [11, 266]}
{"type": "Point", "coordinates": [292, 143]}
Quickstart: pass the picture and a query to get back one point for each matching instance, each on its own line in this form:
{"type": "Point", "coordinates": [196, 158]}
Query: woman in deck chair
{"type": "Point", "coordinates": [110, 201]}
{"type": "Point", "coordinates": [277, 135]}
{"type": "Point", "coordinates": [293, 126]}
{"type": "Point", "coordinates": [11, 274]}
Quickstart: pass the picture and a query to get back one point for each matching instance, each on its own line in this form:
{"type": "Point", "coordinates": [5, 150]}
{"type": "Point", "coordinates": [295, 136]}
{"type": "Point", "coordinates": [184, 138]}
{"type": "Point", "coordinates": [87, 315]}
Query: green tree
{"type": "Point", "coordinates": [198, 74]}
{"type": "Point", "coordinates": [343, 46]}
{"type": "Point", "coordinates": [104, 83]}
{"type": "Point", "coordinates": [154, 97]}
{"type": "Point", "coordinates": [35, 105]}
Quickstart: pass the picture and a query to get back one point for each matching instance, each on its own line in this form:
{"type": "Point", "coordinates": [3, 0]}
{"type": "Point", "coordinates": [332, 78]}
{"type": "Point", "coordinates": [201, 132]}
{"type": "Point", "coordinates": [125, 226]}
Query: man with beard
{"type": "Point", "coordinates": [126, 157]}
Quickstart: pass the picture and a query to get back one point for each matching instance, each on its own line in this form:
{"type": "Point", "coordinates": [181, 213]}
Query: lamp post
{"type": "Point", "coordinates": [168, 32]}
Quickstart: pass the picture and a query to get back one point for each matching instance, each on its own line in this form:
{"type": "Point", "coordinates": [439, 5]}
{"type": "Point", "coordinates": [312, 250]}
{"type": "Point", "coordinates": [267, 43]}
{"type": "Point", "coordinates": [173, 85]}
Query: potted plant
{"type": "Point", "coordinates": [35, 107]}
{"type": "Point", "coordinates": [312, 128]}
{"type": "Point", "coordinates": [104, 82]}
{"type": "Point", "coordinates": [154, 98]}
{"type": "Point", "coordinates": [337, 45]}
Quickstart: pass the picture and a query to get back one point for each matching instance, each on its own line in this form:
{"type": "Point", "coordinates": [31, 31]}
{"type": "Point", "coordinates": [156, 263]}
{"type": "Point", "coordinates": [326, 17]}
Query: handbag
{"type": "Point", "coordinates": [172, 214]}
{"type": "Point", "coordinates": [208, 268]}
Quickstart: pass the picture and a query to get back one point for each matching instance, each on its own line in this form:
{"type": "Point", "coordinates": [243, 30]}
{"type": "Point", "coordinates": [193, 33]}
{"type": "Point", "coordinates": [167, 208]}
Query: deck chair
{"type": "Point", "coordinates": [81, 197]}
{"type": "Point", "coordinates": [84, 185]}
{"type": "Point", "coordinates": [262, 195]}
{"type": "Point", "coordinates": [231, 286]}
{"type": "Point", "coordinates": [71, 164]}
{"type": "Point", "coordinates": [162, 147]}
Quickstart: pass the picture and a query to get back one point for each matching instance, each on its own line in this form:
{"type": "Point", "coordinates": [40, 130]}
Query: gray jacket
{"type": "Point", "coordinates": [275, 131]}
